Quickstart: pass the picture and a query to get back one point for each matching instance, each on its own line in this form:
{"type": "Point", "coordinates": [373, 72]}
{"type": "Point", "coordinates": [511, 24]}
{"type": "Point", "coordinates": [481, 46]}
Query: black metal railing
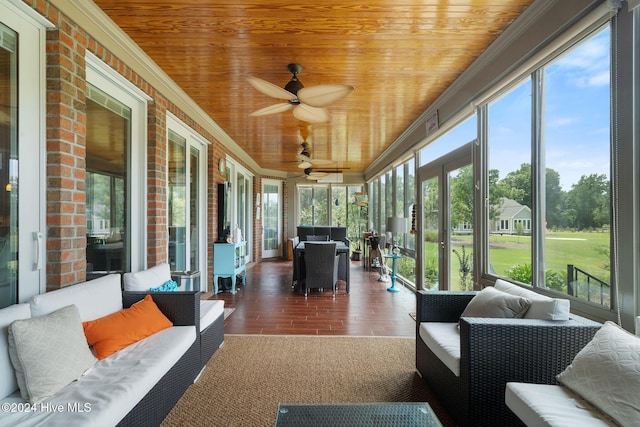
{"type": "Point", "coordinates": [583, 285]}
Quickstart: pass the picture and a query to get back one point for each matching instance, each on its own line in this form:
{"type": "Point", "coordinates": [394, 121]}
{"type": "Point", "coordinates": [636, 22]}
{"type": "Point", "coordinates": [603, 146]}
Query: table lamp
{"type": "Point", "coordinates": [396, 225]}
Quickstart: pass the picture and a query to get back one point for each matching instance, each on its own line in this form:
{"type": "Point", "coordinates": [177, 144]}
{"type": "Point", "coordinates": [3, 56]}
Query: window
{"type": "Point", "coordinates": [568, 190]}
{"type": "Point", "coordinates": [186, 194]}
{"type": "Point", "coordinates": [393, 194]}
{"type": "Point", "coordinates": [449, 141]}
{"type": "Point", "coordinates": [240, 207]}
{"type": "Point", "coordinates": [108, 142]}
{"type": "Point", "coordinates": [576, 125]}
{"type": "Point", "coordinates": [510, 183]}
{"type": "Point", "coordinates": [116, 148]}
{"type": "Point", "coordinates": [313, 205]}
{"type": "Point", "coordinates": [177, 209]}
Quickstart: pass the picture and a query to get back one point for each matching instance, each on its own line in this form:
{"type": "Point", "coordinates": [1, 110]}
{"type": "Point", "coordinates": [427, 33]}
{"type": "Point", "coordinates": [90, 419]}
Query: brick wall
{"type": "Point", "coordinates": [66, 46]}
{"type": "Point", "coordinates": [66, 153]}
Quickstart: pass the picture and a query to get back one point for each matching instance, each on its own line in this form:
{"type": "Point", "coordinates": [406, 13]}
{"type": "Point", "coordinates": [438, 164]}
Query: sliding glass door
{"type": "Point", "coordinates": [447, 217]}
{"type": "Point", "coordinates": [271, 218]}
{"type": "Point", "coordinates": [22, 251]}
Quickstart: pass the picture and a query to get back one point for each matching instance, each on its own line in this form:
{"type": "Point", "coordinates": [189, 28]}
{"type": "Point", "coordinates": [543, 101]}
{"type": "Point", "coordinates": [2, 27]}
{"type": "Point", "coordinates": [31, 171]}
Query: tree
{"type": "Point", "coordinates": [462, 196]}
{"type": "Point", "coordinates": [590, 199]}
{"type": "Point", "coordinates": [517, 185]}
{"type": "Point", "coordinates": [554, 197]}
{"type": "Point", "coordinates": [496, 193]}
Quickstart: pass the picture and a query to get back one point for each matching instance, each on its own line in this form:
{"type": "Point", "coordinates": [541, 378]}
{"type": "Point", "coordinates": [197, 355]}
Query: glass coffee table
{"type": "Point", "coordinates": [357, 414]}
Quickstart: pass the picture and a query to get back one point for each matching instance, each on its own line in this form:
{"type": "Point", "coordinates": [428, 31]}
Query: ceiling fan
{"type": "Point", "coordinates": [305, 160]}
{"type": "Point", "coordinates": [308, 103]}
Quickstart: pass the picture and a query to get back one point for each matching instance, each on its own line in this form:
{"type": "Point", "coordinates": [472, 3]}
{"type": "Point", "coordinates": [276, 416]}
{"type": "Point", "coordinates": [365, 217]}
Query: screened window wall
{"type": "Point", "coordinates": [549, 174]}
{"type": "Point", "coordinates": [392, 194]}
{"type": "Point", "coordinates": [332, 205]}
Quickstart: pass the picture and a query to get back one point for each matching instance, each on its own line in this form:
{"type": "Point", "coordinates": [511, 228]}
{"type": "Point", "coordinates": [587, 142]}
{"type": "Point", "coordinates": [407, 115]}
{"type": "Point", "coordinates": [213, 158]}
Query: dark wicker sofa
{"type": "Point", "coordinates": [492, 353]}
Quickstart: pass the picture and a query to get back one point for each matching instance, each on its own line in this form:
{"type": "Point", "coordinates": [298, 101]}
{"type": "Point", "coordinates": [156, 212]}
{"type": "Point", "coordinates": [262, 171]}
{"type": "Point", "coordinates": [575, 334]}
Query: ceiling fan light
{"type": "Point", "coordinates": [294, 85]}
{"type": "Point", "coordinates": [304, 165]}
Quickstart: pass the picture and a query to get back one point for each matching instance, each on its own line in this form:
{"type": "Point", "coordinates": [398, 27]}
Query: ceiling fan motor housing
{"type": "Point", "coordinates": [294, 85]}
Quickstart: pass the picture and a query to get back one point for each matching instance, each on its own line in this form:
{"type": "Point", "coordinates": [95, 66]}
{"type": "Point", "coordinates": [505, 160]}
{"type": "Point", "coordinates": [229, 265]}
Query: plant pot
{"type": "Point", "coordinates": [355, 255]}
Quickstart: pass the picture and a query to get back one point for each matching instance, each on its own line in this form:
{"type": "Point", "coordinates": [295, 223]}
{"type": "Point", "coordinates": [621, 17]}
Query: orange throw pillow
{"type": "Point", "coordinates": [117, 330]}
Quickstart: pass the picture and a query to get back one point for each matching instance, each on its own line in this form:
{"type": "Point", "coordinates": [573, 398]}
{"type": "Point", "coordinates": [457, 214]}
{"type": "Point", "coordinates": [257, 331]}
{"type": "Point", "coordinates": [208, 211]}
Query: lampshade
{"type": "Point", "coordinates": [397, 224]}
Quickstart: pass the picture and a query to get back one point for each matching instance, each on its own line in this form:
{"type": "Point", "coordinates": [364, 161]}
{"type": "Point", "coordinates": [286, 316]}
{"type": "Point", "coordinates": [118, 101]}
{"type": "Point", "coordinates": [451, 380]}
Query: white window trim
{"type": "Point", "coordinates": [195, 140]}
{"type": "Point", "coordinates": [107, 79]}
{"type": "Point", "coordinates": [31, 28]}
{"type": "Point", "coordinates": [234, 169]}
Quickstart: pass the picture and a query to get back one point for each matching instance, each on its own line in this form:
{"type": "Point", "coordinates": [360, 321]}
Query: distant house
{"type": "Point", "coordinates": [511, 214]}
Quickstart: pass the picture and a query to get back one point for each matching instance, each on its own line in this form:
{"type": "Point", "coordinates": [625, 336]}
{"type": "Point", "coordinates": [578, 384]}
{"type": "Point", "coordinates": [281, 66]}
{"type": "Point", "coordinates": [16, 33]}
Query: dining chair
{"type": "Point", "coordinates": [318, 238]}
{"type": "Point", "coordinates": [321, 265]}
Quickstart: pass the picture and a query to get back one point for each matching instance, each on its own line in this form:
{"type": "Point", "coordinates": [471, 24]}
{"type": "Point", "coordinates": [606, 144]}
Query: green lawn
{"type": "Point", "coordinates": [588, 251]}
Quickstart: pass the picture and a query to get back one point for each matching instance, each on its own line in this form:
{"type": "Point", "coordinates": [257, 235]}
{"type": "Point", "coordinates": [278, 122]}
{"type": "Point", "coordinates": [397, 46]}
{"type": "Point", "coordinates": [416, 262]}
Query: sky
{"type": "Point", "coordinates": [576, 111]}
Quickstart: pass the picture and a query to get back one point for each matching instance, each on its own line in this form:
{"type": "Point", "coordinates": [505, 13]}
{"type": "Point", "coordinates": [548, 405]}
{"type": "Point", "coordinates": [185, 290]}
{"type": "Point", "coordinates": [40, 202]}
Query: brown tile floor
{"type": "Point", "coordinates": [267, 305]}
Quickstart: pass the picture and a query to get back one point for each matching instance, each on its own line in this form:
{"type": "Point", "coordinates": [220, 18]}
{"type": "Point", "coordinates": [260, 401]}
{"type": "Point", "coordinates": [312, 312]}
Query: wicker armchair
{"type": "Point", "coordinates": [492, 353]}
{"type": "Point", "coordinates": [321, 264]}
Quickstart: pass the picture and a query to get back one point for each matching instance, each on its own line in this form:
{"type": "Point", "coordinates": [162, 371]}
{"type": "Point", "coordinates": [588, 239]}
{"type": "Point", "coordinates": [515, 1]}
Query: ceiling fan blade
{"type": "Point", "coordinates": [270, 89]}
{"type": "Point", "coordinates": [272, 109]}
{"type": "Point", "coordinates": [321, 162]}
{"type": "Point", "coordinates": [310, 114]}
{"type": "Point", "coordinates": [318, 174]}
{"type": "Point", "coordinates": [323, 95]}
{"type": "Point", "coordinates": [304, 164]}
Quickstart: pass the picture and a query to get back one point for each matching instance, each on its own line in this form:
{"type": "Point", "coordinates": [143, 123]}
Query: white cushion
{"type": "Point", "coordinates": [606, 373]}
{"type": "Point", "coordinates": [7, 315]}
{"type": "Point", "coordinates": [49, 352]}
{"type": "Point", "coordinates": [490, 302]}
{"type": "Point", "coordinates": [539, 405]}
{"type": "Point", "coordinates": [95, 298]}
{"type": "Point", "coordinates": [152, 277]}
{"type": "Point", "coordinates": [210, 310]}
{"type": "Point", "coordinates": [542, 307]}
{"type": "Point", "coordinates": [115, 385]}
{"type": "Point", "coordinates": [443, 339]}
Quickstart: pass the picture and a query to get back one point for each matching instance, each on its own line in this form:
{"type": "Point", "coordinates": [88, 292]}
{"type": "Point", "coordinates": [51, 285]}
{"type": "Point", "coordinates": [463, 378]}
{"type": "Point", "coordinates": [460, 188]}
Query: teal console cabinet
{"type": "Point", "coordinates": [229, 260]}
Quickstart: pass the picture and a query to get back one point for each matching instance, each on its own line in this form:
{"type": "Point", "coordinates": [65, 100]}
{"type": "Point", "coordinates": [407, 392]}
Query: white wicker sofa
{"type": "Point", "coordinates": [137, 385]}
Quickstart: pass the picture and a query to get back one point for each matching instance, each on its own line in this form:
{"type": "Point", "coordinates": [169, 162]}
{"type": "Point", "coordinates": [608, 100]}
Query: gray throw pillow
{"type": "Point", "coordinates": [491, 302]}
{"type": "Point", "coordinates": [48, 352]}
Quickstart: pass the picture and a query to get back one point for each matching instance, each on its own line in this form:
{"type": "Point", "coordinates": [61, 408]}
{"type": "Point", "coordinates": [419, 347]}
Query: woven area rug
{"type": "Point", "coordinates": [246, 379]}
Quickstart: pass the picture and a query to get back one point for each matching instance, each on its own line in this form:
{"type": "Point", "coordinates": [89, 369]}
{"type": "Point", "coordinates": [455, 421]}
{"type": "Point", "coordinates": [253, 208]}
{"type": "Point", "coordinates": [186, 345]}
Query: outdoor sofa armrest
{"type": "Point", "coordinates": [441, 306]}
{"type": "Point", "coordinates": [496, 351]}
{"type": "Point", "coordinates": [182, 308]}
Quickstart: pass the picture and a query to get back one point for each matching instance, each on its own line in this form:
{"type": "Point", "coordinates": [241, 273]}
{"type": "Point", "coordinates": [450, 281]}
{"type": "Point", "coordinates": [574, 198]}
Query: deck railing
{"type": "Point", "coordinates": [583, 285]}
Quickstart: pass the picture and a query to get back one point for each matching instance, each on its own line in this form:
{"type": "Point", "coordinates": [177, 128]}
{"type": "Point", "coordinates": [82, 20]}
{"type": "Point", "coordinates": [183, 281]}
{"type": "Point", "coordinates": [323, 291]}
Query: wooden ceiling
{"type": "Point", "coordinates": [400, 55]}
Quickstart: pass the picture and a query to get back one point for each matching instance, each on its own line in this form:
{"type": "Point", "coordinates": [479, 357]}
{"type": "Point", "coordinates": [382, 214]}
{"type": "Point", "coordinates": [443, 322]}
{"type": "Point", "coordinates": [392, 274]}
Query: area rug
{"type": "Point", "coordinates": [228, 311]}
{"type": "Point", "coordinates": [246, 379]}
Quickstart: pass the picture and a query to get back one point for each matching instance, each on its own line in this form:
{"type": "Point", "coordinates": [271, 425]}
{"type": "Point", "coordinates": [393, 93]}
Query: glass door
{"type": "Point", "coordinates": [447, 221]}
{"type": "Point", "coordinates": [271, 218]}
{"type": "Point", "coordinates": [22, 262]}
